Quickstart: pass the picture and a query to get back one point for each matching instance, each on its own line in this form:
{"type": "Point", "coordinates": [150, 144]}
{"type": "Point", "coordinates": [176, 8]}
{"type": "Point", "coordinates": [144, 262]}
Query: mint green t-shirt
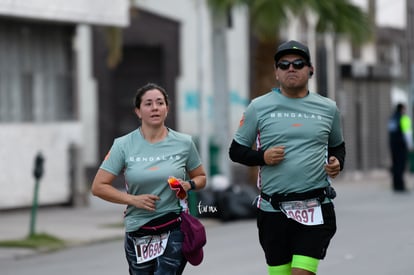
{"type": "Point", "coordinates": [147, 166]}
{"type": "Point", "coordinates": [305, 126]}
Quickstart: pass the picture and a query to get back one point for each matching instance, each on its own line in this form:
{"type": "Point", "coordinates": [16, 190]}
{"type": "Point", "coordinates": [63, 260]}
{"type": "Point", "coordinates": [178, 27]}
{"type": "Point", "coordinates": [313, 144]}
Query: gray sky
{"type": "Point", "coordinates": [390, 13]}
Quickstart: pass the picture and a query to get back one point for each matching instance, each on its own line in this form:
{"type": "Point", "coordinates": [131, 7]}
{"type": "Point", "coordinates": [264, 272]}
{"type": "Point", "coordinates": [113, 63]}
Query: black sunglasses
{"type": "Point", "coordinates": [297, 64]}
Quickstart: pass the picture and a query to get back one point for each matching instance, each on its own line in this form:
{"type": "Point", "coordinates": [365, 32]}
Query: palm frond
{"type": "Point", "coordinates": [269, 16]}
{"type": "Point", "coordinates": [342, 17]}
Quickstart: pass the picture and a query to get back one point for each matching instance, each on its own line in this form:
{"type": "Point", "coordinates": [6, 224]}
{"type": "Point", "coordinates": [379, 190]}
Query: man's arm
{"type": "Point", "coordinates": [339, 153]}
{"type": "Point", "coordinates": [246, 155]}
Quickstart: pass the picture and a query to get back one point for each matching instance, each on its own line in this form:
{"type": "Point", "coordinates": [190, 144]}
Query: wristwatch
{"type": "Point", "coordinates": [192, 184]}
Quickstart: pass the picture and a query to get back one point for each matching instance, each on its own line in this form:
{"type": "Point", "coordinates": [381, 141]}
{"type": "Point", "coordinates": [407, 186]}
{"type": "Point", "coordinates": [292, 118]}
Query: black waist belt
{"type": "Point", "coordinates": [158, 226]}
{"type": "Point", "coordinates": [275, 199]}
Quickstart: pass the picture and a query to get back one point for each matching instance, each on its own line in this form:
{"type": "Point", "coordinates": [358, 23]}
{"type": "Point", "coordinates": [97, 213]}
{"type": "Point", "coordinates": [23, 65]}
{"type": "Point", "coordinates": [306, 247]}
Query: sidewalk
{"type": "Point", "coordinates": [102, 220]}
{"type": "Point", "coordinates": [80, 225]}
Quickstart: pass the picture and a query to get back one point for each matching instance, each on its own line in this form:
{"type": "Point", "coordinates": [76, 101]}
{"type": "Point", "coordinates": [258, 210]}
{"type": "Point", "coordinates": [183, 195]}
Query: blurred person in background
{"type": "Point", "coordinates": [147, 157]}
{"type": "Point", "coordinates": [400, 143]}
{"type": "Point", "coordinates": [299, 148]}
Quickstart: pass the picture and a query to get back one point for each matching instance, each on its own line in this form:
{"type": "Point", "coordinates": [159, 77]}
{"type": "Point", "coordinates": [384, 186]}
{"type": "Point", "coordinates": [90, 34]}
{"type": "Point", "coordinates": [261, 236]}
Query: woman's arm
{"type": "Point", "coordinates": [198, 176]}
{"type": "Point", "coordinates": [102, 188]}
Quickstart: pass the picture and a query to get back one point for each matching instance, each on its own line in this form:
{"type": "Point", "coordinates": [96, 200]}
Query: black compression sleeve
{"type": "Point", "coordinates": [339, 153]}
{"type": "Point", "coordinates": [246, 155]}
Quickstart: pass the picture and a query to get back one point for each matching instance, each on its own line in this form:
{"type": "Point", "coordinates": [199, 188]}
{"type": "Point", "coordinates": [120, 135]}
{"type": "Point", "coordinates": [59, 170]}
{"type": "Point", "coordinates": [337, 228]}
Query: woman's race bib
{"type": "Point", "coordinates": [150, 247]}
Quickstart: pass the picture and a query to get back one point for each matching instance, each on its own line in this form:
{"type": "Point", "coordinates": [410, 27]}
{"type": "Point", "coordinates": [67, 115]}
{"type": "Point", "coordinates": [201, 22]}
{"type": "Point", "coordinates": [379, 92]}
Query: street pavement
{"type": "Point", "coordinates": [375, 230]}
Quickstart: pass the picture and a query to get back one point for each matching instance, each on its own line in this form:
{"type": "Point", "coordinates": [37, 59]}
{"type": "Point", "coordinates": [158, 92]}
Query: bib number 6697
{"type": "Point", "coordinates": [304, 216]}
{"type": "Point", "coordinates": [308, 212]}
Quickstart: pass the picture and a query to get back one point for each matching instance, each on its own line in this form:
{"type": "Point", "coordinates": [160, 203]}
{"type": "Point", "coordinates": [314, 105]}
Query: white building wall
{"type": "Point", "coordinates": [102, 12]}
{"type": "Point", "coordinates": [22, 141]}
{"type": "Point", "coordinates": [52, 140]}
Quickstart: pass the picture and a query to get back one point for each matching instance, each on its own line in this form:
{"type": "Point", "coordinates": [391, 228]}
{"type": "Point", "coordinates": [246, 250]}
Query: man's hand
{"type": "Point", "coordinates": [274, 155]}
{"type": "Point", "coordinates": [332, 168]}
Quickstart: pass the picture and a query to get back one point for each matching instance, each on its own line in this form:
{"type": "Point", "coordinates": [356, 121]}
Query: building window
{"type": "Point", "coordinates": [36, 82]}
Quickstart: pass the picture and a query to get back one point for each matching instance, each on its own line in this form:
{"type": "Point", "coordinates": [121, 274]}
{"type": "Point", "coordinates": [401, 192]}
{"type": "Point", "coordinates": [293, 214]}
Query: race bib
{"type": "Point", "coordinates": [150, 247]}
{"type": "Point", "coordinates": [307, 212]}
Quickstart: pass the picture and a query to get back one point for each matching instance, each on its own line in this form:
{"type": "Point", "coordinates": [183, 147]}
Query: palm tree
{"type": "Point", "coordinates": [267, 17]}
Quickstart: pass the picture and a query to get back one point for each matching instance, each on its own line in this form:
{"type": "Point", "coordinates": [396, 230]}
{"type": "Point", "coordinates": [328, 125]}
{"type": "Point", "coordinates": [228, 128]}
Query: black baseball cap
{"type": "Point", "coordinates": [293, 47]}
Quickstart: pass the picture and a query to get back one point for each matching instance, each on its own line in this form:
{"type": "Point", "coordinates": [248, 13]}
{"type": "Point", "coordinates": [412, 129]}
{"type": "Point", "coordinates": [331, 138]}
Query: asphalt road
{"type": "Point", "coordinates": [375, 236]}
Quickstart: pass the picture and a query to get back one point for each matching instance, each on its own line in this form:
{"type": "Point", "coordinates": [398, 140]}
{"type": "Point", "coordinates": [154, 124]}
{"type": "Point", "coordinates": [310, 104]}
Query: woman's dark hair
{"type": "Point", "coordinates": [147, 87]}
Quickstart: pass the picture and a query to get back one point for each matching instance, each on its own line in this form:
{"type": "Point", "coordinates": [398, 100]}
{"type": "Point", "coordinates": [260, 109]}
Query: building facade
{"type": "Point", "coordinates": [43, 92]}
{"type": "Point", "coordinates": [59, 97]}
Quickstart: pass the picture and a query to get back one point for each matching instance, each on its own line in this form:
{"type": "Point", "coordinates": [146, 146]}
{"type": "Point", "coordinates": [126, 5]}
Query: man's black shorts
{"type": "Point", "coordinates": [281, 237]}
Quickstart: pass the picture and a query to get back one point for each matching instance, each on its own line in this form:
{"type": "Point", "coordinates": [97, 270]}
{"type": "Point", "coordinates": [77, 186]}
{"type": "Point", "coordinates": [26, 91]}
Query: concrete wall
{"type": "Point", "coordinates": [59, 139]}
{"type": "Point", "coordinates": [20, 145]}
{"type": "Point", "coordinates": [102, 12]}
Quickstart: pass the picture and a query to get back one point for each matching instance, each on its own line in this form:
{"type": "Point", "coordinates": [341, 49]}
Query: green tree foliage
{"type": "Point", "coordinates": [269, 16]}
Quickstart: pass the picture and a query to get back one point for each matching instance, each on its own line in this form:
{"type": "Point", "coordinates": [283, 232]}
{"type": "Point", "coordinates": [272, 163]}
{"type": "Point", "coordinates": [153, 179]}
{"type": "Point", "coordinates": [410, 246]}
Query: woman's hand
{"type": "Point", "coordinates": [146, 201]}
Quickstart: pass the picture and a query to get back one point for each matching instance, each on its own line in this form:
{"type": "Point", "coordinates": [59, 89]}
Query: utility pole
{"type": "Point", "coordinates": [203, 112]}
{"type": "Point", "coordinates": [221, 91]}
{"type": "Point", "coordinates": [410, 54]}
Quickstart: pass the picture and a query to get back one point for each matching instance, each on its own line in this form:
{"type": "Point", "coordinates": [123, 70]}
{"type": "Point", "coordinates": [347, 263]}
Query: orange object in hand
{"type": "Point", "coordinates": [176, 186]}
